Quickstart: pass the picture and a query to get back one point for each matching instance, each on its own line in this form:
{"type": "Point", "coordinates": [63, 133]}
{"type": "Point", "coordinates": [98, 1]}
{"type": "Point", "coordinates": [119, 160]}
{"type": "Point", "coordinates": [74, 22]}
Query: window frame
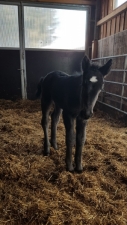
{"type": "Point", "coordinates": [69, 7]}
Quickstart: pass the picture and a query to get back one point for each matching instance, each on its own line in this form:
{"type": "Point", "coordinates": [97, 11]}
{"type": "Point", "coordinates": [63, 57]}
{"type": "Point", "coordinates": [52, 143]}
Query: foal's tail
{"type": "Point", "coordinates": [39, 88]}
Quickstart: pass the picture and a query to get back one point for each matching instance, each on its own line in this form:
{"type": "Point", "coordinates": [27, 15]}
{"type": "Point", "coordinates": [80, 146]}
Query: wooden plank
{"type": "Point", "coordinates": [113, 26]}
{"type": "Point", "coordinates": [110, 6]}
{"type": "Point", "coordinates": [108, 28]}
{"type": "Point", "coordinates": [102, 31]}
{"type": "Point", "coordinates": [105, 30]}
{"type": "Point", "coordinates": [122, 21]}
{"type": "Point", "coordinates": [105, 7]}
{"type": "Point", "coordinates": [99, 51]}
{"type": "Point", "coordinates": [107, 46]}
{"type": "Point", "coordinates": [79, 2]}
{"type": "Point", "coordinates": [115, 12]}
{"type": "Point", "coordinates": [125, 24]}
{"type": "Point", "coordinates": [117, 24]}
{"type": "Point", "coordinates": [102, 9]}
{"type": "Point", "coordinates": [94, 49]}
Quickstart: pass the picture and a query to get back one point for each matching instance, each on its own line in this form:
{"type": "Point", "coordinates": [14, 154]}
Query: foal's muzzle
{"type": "Point", "coordinates": [86, 115]}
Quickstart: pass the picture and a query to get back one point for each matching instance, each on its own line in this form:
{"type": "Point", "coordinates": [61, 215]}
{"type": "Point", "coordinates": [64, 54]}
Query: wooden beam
{"type": "Point", "coordinates": [102, 31]}
{"type": "Point", "coordinates": [113, 26]}
{"type": "Point", "coordinates": [94, 49]}
{"type": "Point", "coordinates": [108, 28]}
{"type": "Point", "coordinates": [102, 11]}
{"type": "Point", "coordinates": [105, 30]}
{"type": "Point", "coordinates": [125, 24]}
{"type": "Point", "coordinates": [110, 6]}
{"type": "Point", "coordinates": [77, 2]}
{"type": "Point", "coordinates": [115, 12]}
{"type": "Point", "coordinates": [122, 21]}
{"type": "Point", "coordinates": [105, 8]}
{"type": "Point", "coordinates": [117, 24]}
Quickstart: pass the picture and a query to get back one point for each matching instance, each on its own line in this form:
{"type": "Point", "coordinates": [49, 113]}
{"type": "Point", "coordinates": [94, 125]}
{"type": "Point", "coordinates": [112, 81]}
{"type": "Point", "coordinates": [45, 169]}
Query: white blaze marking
{"type": "Point", "coordinates": [94, 101]}
{"type": "Point", "coordinates": [93, 79]}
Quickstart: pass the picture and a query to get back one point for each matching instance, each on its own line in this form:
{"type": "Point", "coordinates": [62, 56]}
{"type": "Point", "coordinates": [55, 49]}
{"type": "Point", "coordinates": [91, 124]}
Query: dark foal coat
{"type": "Point", "coordinates": [76, 96]}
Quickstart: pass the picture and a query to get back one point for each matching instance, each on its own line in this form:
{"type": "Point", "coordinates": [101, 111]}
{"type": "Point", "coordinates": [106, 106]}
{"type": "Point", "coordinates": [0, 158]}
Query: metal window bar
{"type": "Point", "coordinates": [118, 70]}
{"type": "Point", "coordinates": [119, 110]}
{"type": "Point", "coordinates": [124, 78]}
{"type": "Point", "coordinates": [119, 96]}
{"type": "Point", "coordinates": [22, 52]}
{"type": "Point", "coordinates": [109, 57]}
{"type": "Point", "coordinates": [113, 82]}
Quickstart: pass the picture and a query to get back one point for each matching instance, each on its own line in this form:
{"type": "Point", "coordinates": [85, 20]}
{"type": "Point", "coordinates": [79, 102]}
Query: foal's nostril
{"type": "Point", "coordinates": [91, 114]}
{"type": "Point", "coordinates": [86, 114]}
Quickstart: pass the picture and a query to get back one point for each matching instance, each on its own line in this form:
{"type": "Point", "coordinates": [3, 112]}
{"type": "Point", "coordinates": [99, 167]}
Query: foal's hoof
{"type": "Point", "coordinates": [46, 153]}
{"type": "Point", "coordinates": [78, 170]}
{"type": "Point", "coordinates": [70, 169]}
{"type": "Point", "coordinates": [54, 145]}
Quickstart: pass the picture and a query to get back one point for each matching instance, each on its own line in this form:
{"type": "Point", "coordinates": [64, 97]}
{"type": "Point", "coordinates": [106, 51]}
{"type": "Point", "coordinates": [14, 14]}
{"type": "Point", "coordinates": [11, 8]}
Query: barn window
{"type": "Point", "coordinates": [9, 30]}
{"type": "Point", "coordinates": [117, 3]}
{"type": "Point", "coordinates": [49, 28]}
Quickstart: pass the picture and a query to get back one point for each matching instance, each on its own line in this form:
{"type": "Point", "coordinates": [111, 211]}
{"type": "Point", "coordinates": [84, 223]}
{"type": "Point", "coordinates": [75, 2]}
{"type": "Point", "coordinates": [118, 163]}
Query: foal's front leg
{"type": "Point", "coordinates": [80, 140]}
{"type": "Point", "coordinates": [69, 126]}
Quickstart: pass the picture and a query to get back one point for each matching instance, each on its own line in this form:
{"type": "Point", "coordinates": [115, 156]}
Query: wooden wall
{"type": "Point", "coordinates": [112, 43]}
{"type": "Point", "coordinates": [114, 25]}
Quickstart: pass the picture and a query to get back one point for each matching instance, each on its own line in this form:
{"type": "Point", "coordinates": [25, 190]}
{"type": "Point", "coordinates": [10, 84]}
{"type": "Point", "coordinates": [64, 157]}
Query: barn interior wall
{"type": "Point", "coordinates": [10, 81]}
{"type": "Point", "coordinates": [116, 24]}
{"type": "Point", "coordinates": [46, 61]}
{"type": "Point", "coordinates": [112, 43]}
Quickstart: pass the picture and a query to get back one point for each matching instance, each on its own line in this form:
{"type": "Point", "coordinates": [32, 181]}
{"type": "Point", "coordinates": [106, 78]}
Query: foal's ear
{"type": "Point", "coordinates": [106, 68]}
{"type": "Point", "coordinates": [85, 63]}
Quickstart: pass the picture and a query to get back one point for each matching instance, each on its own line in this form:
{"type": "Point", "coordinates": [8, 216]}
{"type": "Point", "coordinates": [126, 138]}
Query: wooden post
{"type": "Point", "coordinates": [94, 49]}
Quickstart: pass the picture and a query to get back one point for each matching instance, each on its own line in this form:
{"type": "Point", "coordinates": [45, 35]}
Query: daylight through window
{"type": "Point", "coordinates": [117, 3]}
{"type": "Point", "coordinates": [9, 29]}
{"type": "Point", "coordinates": [50, 28]}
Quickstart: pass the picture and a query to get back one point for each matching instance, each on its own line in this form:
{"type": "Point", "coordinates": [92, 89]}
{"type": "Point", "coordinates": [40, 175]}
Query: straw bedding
{"type": "Point", "coordinates": [37, 190]}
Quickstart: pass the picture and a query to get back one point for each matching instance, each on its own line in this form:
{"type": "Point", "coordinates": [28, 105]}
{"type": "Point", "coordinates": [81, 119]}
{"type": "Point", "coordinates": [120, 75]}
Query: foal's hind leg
{"type": "Point", "coordinates": [45, 125]}
{"type": "Point", "coordinates": [54, 121]}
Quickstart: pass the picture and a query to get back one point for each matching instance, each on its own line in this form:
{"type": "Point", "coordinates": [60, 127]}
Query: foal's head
{"type": "Point", "coordinates": [93, 76]}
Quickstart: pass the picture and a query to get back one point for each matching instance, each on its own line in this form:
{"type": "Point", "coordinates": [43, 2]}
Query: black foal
{"type": "Point", "coordinates": [76, 96]}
